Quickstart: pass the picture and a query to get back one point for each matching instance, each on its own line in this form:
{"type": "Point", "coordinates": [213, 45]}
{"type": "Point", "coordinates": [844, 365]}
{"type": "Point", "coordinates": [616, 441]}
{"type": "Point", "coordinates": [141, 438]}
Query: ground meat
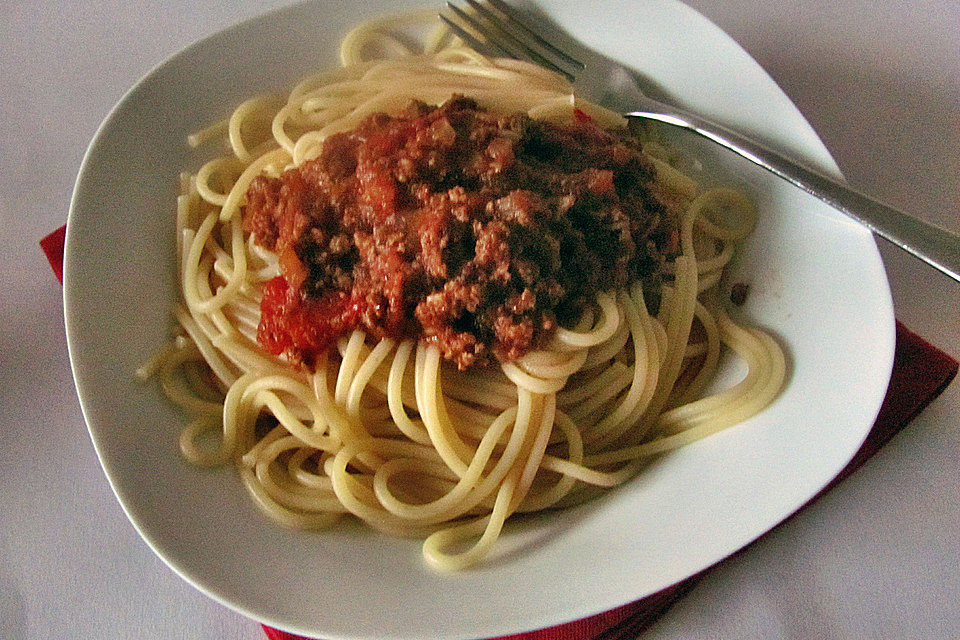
{"type": "Point", "coordinates": [476, 231]}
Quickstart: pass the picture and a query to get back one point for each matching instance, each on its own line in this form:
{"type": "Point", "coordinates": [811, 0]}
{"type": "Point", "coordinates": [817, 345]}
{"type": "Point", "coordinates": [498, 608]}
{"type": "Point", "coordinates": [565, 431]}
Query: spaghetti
{"type": "Point", "coordinates": [386, 428]}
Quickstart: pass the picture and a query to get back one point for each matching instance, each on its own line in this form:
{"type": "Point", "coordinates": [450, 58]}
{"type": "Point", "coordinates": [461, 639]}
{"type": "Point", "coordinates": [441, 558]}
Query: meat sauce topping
{"type": "Point", "coordinates": [476, 231]}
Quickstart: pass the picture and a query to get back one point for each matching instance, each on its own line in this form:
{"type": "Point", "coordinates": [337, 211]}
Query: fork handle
{"type": "Point", "coordinates": [934, 245]}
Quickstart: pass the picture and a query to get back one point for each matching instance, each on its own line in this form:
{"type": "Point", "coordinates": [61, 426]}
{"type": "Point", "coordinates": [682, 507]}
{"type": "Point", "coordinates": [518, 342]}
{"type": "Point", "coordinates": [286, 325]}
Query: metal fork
{"type": "Point", "coordinates": [496, 29]}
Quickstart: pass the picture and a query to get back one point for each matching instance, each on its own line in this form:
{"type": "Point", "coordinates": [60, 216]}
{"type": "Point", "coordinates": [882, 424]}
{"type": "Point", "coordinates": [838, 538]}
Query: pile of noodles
{"type": "Point", "coordinates": [384, 429]}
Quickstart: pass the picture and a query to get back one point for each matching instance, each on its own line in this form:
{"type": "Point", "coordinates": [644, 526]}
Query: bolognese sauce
{"type": "Point", "coordinates": [476, 231]}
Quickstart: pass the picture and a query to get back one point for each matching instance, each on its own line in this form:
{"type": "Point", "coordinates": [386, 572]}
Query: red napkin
{"type": "Point", "coordinates": [920, 373]}
{"type": "Point", "coordinates": [52, 246]}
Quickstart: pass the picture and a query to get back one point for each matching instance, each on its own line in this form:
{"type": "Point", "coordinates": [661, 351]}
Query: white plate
{"type": "Point", "coordinates": [816, 281]}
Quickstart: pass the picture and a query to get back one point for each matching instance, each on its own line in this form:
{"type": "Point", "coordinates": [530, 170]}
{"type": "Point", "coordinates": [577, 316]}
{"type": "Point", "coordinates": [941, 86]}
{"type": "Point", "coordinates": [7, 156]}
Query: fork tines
{"type": "Point", "coordinates": [496, 29]}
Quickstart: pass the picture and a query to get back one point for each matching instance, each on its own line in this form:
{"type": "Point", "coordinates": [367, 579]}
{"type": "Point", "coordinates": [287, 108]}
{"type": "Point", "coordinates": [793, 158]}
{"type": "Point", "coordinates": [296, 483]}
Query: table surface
{"type": "Point", "coordinates": [877, 557]}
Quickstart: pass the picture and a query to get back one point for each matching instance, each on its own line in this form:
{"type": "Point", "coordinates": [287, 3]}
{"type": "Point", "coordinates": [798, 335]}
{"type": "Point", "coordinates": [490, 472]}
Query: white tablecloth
{"type": "Point", "coordinates": [876, 558]}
